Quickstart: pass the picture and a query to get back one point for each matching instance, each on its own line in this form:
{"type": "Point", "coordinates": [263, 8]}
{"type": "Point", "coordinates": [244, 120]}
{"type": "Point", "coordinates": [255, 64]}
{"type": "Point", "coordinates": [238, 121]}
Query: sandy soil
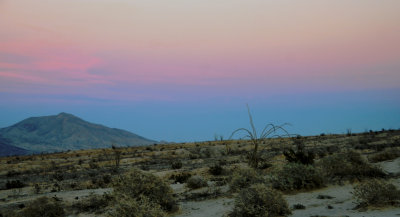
{"type": "Point", "coordinates": [339, 203]}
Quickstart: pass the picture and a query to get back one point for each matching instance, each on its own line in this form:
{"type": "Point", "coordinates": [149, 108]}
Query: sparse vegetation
{"type": "Point", "coordinates": [376, 192]}
{"type": "Point", "coordinates": [140, 206]}
{"type": "Point", "coordinates": [117, 155]}
{"type": "Point", "coordinates": [176, 164]}
{"type": "Point", "coordinates": [14, 184]}
{"type": "Point", "coordinates": [216, 169]}
{"type": "Point", "coordinates": [42, 207]}
{"type": "Point", "coordinates": [349, 165]}
{"type": "Point", "coordinates": [226, 173]}
{"type": "Point", "coordinates": [180, 177]}
{"type": "Point", "coordinates": [387, 154]}
{"type": "Point", "coordinates": [137, 185]}
{"type": "Point", "coordinates": [195, 182]}
{"type": "Point", "coordinates": [295, 176]}
{"type": "Point", "coordinates": [260, 201]}
{"type": "Point", "coordinates": [243, 178]}
{"type": "Point", "coordinates": [93, 203]}
{"type": "Point", "coordinates": [300, 155]}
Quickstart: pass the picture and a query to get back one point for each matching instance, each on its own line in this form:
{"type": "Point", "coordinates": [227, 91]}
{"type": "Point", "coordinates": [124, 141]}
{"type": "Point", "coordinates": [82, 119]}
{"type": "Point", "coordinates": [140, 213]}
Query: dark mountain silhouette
{"type": "Point", "coordinates": [9, 150]}
{"type": "Point", "coordinates": [66, 132]}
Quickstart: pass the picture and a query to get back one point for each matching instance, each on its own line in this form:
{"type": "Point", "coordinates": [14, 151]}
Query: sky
{"type": "Point", "coordinates": [184, 70]}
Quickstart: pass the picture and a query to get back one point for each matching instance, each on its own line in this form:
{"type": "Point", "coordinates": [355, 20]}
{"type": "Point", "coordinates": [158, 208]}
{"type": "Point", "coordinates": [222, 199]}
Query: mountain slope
{"type": "Point", "coordinates": [66, 132]}
{"type": "Point", "coordinates": [7, 150]}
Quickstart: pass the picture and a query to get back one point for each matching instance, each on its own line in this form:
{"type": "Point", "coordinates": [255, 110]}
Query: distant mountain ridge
{"type": "Point", "coordinates": [64, 132]}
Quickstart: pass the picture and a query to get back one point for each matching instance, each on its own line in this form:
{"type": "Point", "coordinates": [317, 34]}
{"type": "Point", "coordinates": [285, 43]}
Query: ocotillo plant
{"type": "Point", "coordinates": [269, 131]}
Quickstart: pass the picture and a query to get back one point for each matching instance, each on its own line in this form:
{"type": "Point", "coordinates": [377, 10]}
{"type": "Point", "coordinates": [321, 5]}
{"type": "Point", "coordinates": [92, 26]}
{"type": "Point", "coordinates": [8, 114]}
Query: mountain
{"type": "Point", "coordinates": [65, 132]}
{"type": "Point", "coordinates": [8, 150]}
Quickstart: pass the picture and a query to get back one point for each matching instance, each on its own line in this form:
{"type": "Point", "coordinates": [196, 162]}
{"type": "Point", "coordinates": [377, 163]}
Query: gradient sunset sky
{"type": "Point", "coordinates": [183, 70]}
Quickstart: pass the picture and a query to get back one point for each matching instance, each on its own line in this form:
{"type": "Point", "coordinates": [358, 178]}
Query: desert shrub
{"type": "Point", "coordinates": [140, 206]}
{"type": "Point", "coordinates": [12, 173]}
{"type": "Point", "coordinates": [58, 176]}
{"type": "Point", "coordinates": [348, 165]}
{"type": "Point", "coordinates": [176, 164]}
{"type": "Point", "coordinates": [107, 179]}
{"type": "Point", "coordinates": [387, 154]}
{"type": "Point", "coordinates": [300, 155]}
{"type": "Point", "coordinates": [181, 177]}
{"type": "Point", "coordinates": [93, 165]}
{"type": "Point", "coordinates": [376, 192]}
{"type": "Point", "coordinates": [260, 201]}
{"type": "Point", "coordinates": [195, 182]}
{"type": "Point", "coordinates": [93, 203]}
{"type": "Point", "coordinates": [137, 184]}
{"type": "Point", "coordinates": [42, 207]}
{"type": "Point", "coordinates": [215, 170]}
{"type": "Point", "coordinates": [243, 178]}
{"type": "Point", "coordinates": [295, 176]}
{"type": "Point", "coordinates": [14, 184]}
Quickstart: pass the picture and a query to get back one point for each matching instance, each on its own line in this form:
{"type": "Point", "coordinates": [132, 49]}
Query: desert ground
{"type": "Point", "coordinates": [324, 175]}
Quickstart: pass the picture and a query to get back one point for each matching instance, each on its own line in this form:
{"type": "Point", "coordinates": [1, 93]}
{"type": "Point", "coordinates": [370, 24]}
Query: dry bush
{"type": "Point", "coordinates": [296, 176]}
{"type": "Point", "coordinates": [93, 203]}
{"type": "Point", "coordinates": [261, 201]}
{"type": "Point", "coordinates": [349, 165]}
{"type": "Point", "coordinates": [195, 182]}
{"type": "Point", "coordinates": [376, 192]}
{"type": "Point", "coordinates": [180, 177]}
{"type": "Point", "coordinates": [14, 184]}
{"type": "Point", "coordinates": [140, 206]}
{"type": "Point", "coordinates": [387, 154]}
{"type": "Point", "coordinates": [243, 178]}
{"type": "Point", "coordinates": [216, 170]}
{"type": "Point", "coordinates": [177, 164]}
{"type": "Point", "coordinates": [41, 207]}
{"type": "Point", "coordinates": [139, 184]}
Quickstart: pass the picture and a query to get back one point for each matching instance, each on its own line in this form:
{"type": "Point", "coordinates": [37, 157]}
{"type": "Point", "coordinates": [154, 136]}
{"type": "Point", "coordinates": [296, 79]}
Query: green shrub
{"type": "Point", "coordinates": [137, 184]}
{"type": "Point", "coordinates": [376, 192]}
{"type": "Point", "coordinates": [195, 182]}
{"type": "Point", "coordinates": [140, 206]}
{"type": "Point", "coordinates": [243, 178]}
{"type": "Point", "coordinates": [43, 207]}
{"type": "Point", "coordinates": [349, 165]}
{"type": "Point", "coordinates": [260, 201]}
{"type": "Point", "coordinates": [387, 154]}
{"type": "Point", "coordinates": [294, 176]}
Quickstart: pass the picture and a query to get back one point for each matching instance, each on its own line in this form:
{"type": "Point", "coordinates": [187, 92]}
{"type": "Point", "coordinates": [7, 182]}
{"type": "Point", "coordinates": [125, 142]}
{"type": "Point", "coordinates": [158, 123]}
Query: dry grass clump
{"type": "Point", "coordinates": [138, 185]}
{"type": "Point", "coordinates": [195, 182]}
{"type": "Point", "coordinates": [41, 207]}
{"type": "Point", "coordinates": [387, 154]}
{"type": "Point", "coordinates": [243, 178]}
{"type": "Point", "coordinates": [261, 201]}
{"type": "Point", "coordinates": [349, 165]}
{"type": "Point", "coordinates": [376, 193]}
{"type": "Point", "coordinates": [296, 176]}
